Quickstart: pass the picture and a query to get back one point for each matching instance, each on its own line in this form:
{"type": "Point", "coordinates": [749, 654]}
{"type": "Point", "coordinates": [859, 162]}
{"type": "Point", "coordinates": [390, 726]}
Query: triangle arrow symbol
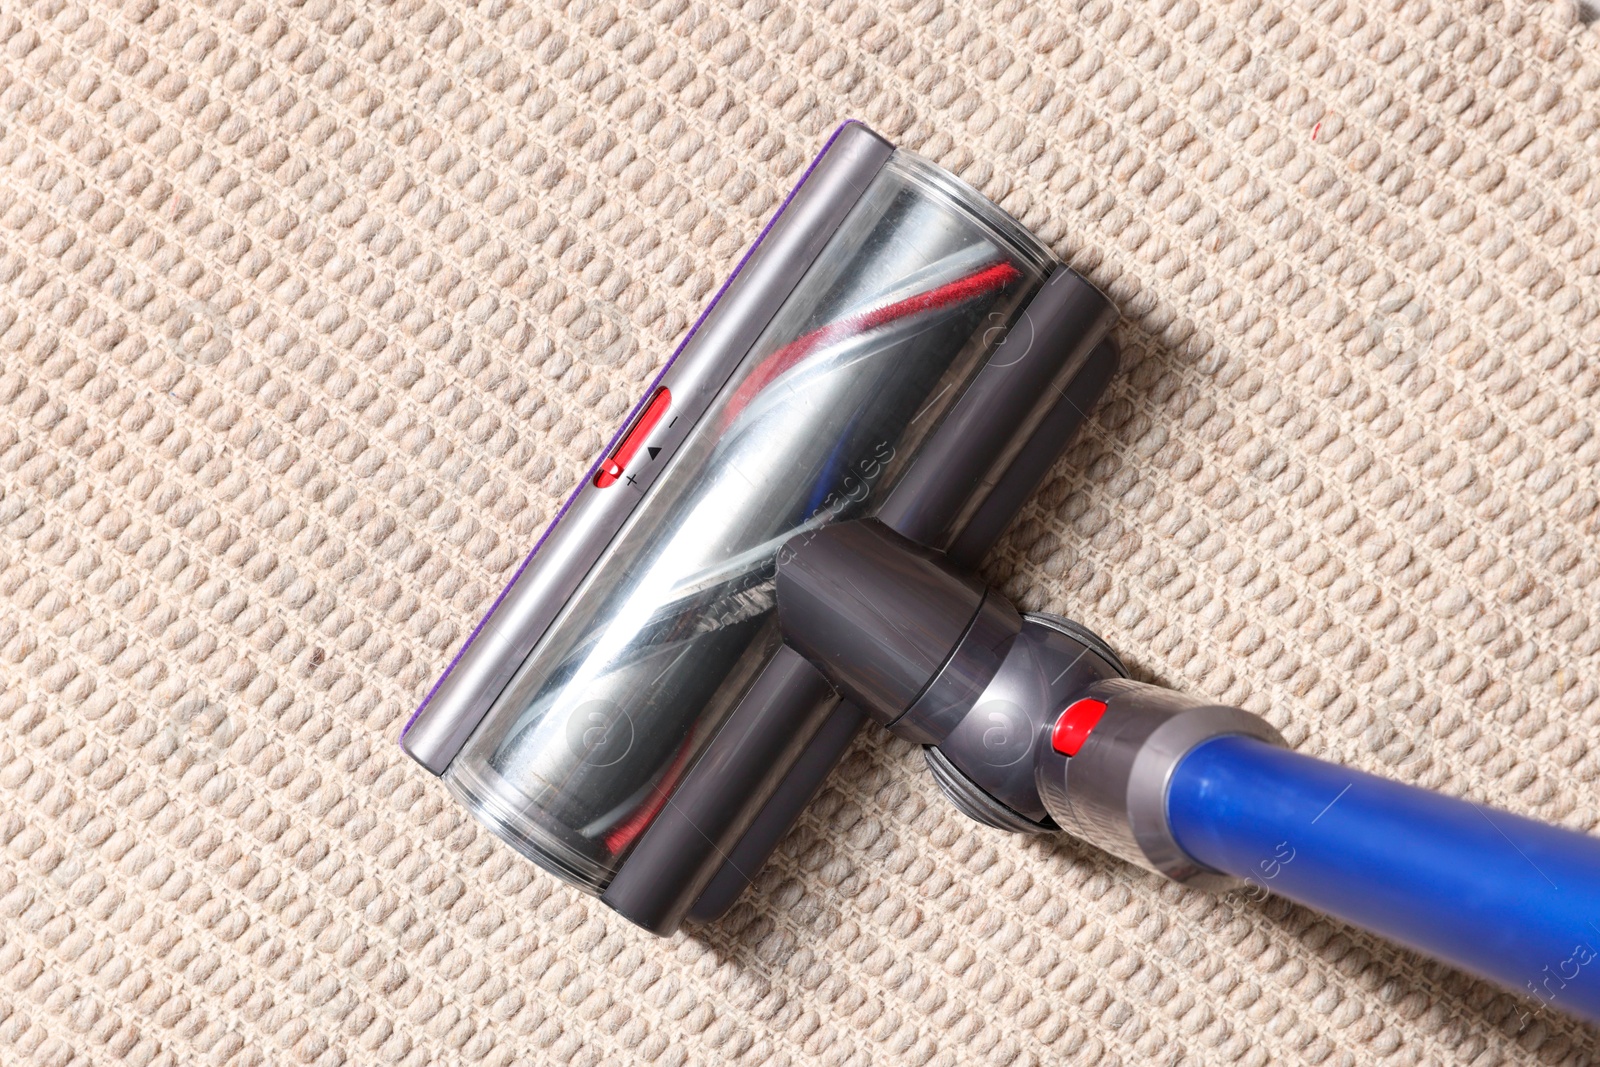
{"type": "Point", "coordinates": [654, 452]}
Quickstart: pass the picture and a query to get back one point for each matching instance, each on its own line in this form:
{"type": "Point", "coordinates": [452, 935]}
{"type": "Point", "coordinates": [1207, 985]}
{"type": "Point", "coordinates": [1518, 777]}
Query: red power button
{"type": "Point", "coordinates": [616, 464]}
{"type": "Point", "coordinates": [1072, 729]}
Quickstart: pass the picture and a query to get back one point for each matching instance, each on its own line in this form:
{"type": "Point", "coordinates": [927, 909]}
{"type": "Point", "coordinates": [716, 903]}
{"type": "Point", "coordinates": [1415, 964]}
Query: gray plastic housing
{"type": "Point", "coordinates": [889, 622]}
{"type": "Point", "coordinates": [1113, 793]}
{"type": "Point", "coordinates": [905, 636]}
{"type": "Point", "coordinates": [986, 765]}
{"type": "Point", "coordinates": [992, 434]}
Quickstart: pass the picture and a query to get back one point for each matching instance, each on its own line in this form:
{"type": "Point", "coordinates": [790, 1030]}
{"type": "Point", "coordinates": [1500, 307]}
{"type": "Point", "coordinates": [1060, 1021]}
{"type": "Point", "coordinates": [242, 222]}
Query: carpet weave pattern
{"type": "Point", "coordinates": [311, 315]}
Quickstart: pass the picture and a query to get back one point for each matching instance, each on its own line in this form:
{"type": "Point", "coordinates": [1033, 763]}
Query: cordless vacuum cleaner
{"type": "Point", "coordinates": [776, 548]}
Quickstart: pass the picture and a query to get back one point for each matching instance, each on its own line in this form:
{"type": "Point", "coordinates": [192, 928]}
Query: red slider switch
{"type": "Point", "coordinates": [616, 464]}
{"type": "Point", "coordinates": [1072, 729]}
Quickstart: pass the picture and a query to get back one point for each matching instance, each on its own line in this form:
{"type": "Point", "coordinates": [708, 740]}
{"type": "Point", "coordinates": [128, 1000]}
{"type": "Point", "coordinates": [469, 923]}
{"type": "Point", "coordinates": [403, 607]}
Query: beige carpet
{"type": "Point", "coordinates": [312, 316]}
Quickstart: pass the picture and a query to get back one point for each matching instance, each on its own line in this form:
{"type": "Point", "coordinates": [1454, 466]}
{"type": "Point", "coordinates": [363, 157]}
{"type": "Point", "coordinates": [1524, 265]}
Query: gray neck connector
{"type": "Point", "coordinates": [907, 637]}
{"type": "Point", "coordinates": [999, 698]}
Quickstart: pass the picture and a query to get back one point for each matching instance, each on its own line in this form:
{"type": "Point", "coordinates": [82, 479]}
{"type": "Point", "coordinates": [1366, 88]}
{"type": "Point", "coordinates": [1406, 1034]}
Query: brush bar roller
{"type": "Point", "coordinates": [855, 366]}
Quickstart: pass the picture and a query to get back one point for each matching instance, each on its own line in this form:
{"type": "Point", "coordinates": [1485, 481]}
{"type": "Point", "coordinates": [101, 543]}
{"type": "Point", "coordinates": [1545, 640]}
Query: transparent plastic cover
{"type": "Point", "coordinates": [899, 311]}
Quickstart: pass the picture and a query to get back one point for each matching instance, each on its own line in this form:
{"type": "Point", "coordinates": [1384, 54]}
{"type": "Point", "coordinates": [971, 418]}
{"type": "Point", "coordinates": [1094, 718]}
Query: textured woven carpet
{"type": "Point", "coordinates": [310, 317]}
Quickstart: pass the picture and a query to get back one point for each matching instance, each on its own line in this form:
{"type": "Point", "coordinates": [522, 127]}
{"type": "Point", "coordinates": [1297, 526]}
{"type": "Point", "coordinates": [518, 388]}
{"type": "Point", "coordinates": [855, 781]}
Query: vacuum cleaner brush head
{"type": "Point", "coordinates": [894, 346]}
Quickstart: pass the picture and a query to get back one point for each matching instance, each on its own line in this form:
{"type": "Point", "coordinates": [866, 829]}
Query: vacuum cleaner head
{"type": "Point", "coordinates": [894, 346]}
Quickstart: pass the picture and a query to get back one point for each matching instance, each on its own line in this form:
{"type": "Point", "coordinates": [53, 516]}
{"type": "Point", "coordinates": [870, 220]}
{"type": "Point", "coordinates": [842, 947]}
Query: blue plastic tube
{"type": "Point", "coordinates": [1497, 895]}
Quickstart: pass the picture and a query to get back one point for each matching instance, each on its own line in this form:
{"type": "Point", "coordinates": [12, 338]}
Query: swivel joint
{"type": "Point", "coordinates": [1030, 722]}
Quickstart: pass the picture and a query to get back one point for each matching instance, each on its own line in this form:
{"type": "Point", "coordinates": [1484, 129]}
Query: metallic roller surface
{"type": "Point", "coordinates": [583, 747]}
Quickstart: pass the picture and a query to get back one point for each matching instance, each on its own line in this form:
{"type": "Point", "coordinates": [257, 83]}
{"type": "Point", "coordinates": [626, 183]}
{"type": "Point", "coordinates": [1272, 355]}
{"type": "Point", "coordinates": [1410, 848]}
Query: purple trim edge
{"type": "Point", "coordinates": [632, 414]}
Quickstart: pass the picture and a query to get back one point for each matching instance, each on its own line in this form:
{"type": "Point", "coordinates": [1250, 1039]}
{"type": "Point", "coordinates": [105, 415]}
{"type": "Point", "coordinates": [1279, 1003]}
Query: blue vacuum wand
{"type": "Point", "coordinates": [896, 346]}
{"type": "Point", "coordinates": [1031, 725]}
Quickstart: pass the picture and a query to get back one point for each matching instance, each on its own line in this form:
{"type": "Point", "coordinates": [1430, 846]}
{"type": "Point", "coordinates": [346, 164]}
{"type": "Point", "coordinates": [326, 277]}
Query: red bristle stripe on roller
{"type": "Point", "coordinates": [984, 281]}
{"type": "Point", "coordinates": [621, 836]}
